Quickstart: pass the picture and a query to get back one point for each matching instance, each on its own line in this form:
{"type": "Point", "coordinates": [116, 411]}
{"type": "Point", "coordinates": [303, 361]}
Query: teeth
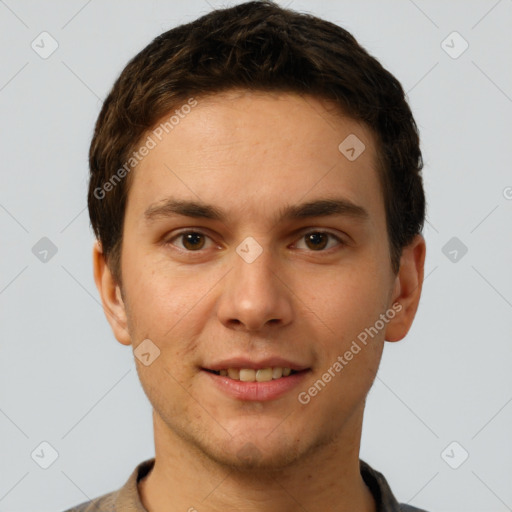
{"type": "Point", "coordinates": [251, 375]}
{"type": "Point", "coordinates": [264, 375]}
{"type": "Point", "coordinates": [277, 373]}
{"type": "Point", "coordinates": [234, 373]}
{"type": "Point", "coordinates": [247, 375]}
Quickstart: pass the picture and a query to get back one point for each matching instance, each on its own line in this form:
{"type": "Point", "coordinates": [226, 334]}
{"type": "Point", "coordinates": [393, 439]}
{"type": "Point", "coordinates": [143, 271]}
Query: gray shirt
{"type": "Point", "coordinates": [127, 498]}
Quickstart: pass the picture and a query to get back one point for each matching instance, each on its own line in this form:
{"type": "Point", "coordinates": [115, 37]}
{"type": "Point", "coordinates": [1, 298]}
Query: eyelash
{"type": "Point", "coordinates": [199, 232]}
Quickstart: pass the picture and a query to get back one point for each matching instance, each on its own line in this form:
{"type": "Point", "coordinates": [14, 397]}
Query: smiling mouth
{"type": "Point", "coordinates": [252, 375]}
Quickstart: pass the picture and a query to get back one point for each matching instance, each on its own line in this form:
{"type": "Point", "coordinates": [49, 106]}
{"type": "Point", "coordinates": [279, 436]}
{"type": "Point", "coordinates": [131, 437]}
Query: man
{"type": "Point", "coordinates": [258, 205]}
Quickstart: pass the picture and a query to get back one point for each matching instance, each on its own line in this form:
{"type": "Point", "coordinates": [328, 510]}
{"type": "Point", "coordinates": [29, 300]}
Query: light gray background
{"type": "Point", "coordinates": [65, 380]}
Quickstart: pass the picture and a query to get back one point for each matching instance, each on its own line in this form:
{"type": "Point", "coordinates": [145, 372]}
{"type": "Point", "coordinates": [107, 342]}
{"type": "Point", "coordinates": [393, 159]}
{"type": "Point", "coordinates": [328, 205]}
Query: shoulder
{"type": "Point", "coordinates": [125, 498]}
{"type": "Point", "coordinates": [384, 497]}
{"type": "Point", "coordinates": [104, 503]}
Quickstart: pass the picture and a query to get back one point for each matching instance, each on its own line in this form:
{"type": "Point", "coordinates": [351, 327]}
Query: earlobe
{"type": "Point", "coordinates": [407, 290]}
{"type": "Point", "coordinates": [110, 293]}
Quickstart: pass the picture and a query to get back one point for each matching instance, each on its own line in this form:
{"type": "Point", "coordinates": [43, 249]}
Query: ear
{"type": "Point", "coordinates": [407, 290]}
{"type": "Point", "coordinates": [110, 293]}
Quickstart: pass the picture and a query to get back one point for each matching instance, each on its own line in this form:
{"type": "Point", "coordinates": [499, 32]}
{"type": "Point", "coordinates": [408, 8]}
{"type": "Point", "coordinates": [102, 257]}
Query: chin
{"type": "Point", "coordinates": [256, 451]}
{"type": "Point", "coordinates": [253, 458]}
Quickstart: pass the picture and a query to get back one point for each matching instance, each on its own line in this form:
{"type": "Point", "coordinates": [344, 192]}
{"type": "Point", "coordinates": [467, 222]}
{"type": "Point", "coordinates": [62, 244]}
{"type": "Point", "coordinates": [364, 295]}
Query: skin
{"type": "Point", "coordinates": [252, 154]}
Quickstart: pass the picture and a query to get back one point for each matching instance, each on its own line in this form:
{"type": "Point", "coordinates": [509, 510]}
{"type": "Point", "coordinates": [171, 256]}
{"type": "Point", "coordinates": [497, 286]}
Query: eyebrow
{"type": "Point", "coordinates": [171, 207]}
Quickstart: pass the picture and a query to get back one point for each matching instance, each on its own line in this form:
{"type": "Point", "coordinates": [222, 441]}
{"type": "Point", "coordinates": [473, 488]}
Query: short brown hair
{"type": "Point", "coordinates": [256, 45]}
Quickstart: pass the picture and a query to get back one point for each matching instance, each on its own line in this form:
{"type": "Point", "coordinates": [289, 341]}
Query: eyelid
{"type": "Point", "coordinates": [339, 239]}
{"type": "Point", "coordinates": [184, 231]}
{"type": "Point", "coordinates": [298, 235]}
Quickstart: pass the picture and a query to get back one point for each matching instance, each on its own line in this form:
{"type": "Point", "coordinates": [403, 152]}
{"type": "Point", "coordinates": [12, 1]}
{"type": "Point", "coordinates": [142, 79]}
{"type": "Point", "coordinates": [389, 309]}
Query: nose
{"type": "Point", "coordinates": [254, 296]}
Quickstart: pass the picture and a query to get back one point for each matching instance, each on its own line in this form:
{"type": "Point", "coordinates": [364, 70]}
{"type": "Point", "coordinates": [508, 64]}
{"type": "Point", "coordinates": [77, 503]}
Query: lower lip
{"type": "Point", "coordinates": [257, 391]}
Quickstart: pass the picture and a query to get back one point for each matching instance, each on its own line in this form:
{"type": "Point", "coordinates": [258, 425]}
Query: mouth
{"type": "Point", "coordinates": [259, 384]}
{"type": "Point", "coordinates": [254, 374]}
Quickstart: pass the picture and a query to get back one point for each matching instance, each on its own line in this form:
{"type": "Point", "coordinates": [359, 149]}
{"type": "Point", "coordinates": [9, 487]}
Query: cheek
{"type": "Point", "coordinates": [346, 302]}
{"type": "Point", "coordinates": [170, 306]}
{"type": "Point", "coordinates": [349, 357]}
{"type": "Point", "coordinates": [158, 290]}
{"type": "Point", "coordinates": [157, 301]}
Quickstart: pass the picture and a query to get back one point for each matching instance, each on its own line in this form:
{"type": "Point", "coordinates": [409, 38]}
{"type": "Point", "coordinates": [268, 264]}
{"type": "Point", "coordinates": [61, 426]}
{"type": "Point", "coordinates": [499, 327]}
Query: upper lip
{"type": "Point", "coordinates": [244, 362]}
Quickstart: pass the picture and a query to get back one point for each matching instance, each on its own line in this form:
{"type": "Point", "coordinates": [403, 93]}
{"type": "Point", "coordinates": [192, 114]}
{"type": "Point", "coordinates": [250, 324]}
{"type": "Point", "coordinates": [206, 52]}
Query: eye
{"type": "Point", "coordinates": [318, 240]}
{"type": "Point", "coordinates": [194, 241]}
{"type": "Point", "coordinates": [190, 240]}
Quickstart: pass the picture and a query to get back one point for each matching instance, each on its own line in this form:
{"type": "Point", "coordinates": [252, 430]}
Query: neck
{"type": "Point", "coordinates": [185, 479]}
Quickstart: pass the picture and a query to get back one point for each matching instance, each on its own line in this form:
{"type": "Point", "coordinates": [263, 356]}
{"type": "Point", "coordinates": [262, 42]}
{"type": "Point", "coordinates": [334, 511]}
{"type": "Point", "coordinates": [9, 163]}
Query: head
{"type": "Point", "coordinates": [242, 112]}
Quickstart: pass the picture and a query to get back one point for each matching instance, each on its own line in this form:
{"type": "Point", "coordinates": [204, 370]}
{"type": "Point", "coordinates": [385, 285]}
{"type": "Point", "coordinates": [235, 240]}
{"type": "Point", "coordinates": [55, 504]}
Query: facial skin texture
{"type": "Point", "coordinates": [252, 154]}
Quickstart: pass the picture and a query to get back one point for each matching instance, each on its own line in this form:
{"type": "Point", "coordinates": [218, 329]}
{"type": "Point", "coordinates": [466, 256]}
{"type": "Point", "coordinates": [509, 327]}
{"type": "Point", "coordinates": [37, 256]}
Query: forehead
{"type": "Point", "coordinates": [255, 151]}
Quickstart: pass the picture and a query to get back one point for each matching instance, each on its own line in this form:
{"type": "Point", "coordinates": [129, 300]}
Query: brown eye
{"type": "Point", "coordinates": [317, 241]}
{"type": "Point", "coordinates": [190, 240]}
{"type": "Point", "coordinates": [193, 241]}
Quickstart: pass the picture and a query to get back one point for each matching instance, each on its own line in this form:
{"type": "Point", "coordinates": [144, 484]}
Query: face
{"type": "Point", "coordinates": [281, 262]}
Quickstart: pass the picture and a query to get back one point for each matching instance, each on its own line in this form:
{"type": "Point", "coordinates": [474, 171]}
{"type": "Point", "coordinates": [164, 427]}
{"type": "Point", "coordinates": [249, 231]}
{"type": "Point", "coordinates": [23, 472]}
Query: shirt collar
{"type": "Point", "coordinates": [128, 498]}
{"type": "Point", "coordinates": [379, 487]}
